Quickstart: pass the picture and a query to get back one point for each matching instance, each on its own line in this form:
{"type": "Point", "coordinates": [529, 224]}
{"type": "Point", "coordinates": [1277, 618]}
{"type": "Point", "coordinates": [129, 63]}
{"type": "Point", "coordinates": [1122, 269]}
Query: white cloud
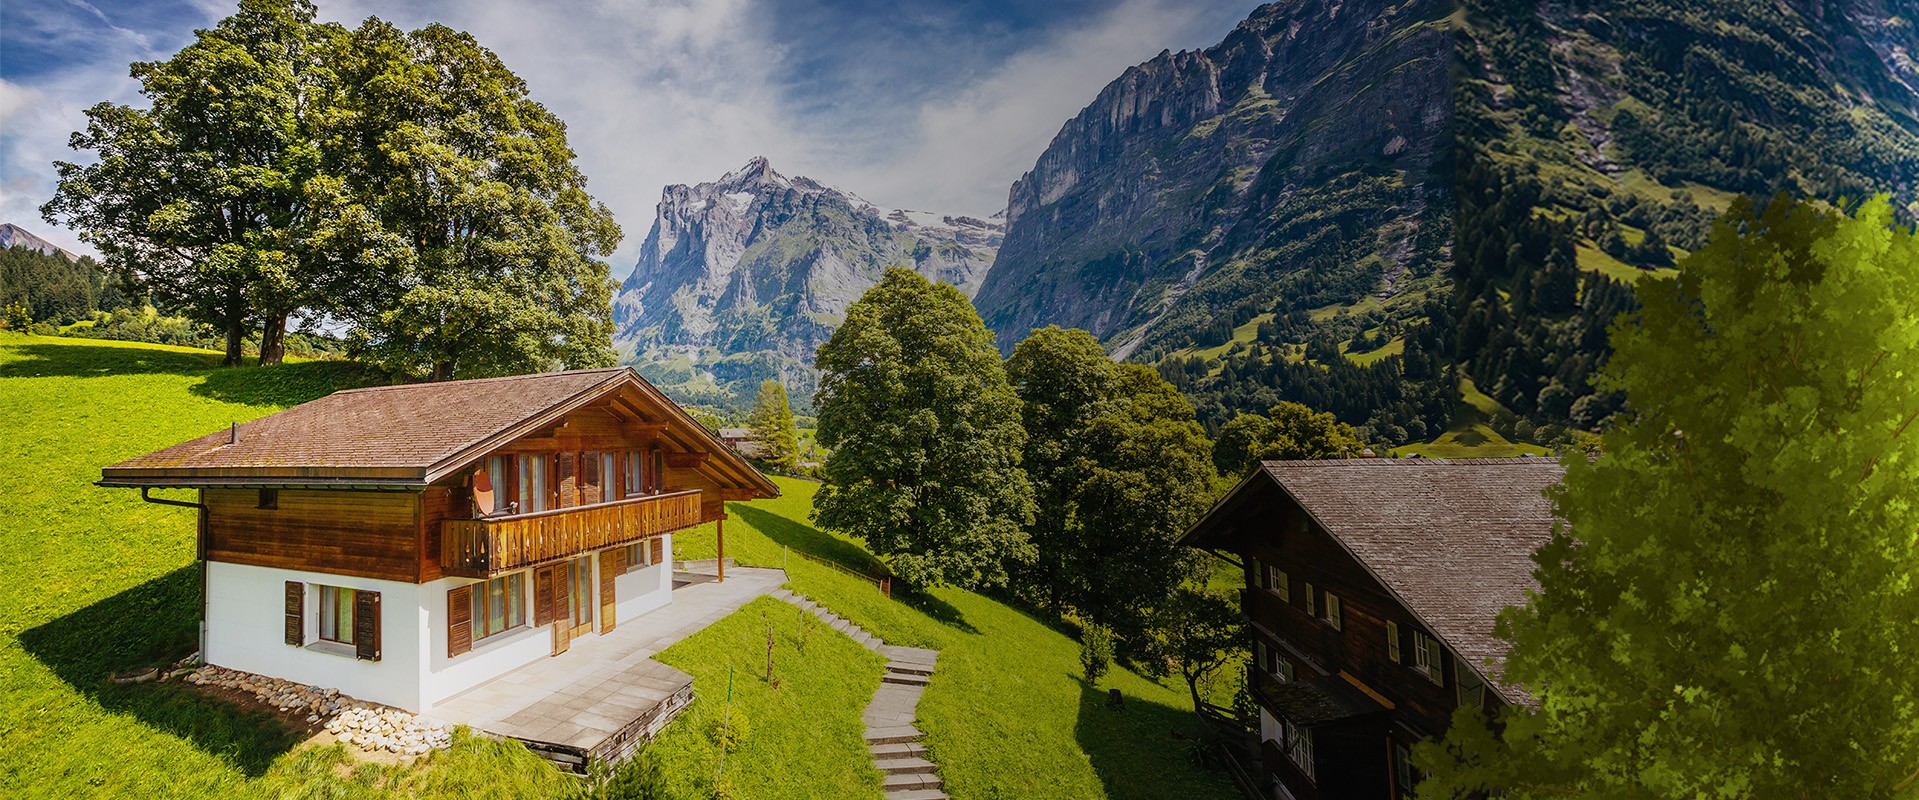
{"type": "Point", "coordinates": [657, 92]}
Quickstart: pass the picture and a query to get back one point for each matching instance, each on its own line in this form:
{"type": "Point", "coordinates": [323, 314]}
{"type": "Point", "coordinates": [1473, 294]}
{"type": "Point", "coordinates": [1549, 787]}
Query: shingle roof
{"type": "Point", "coordinates": [389, 434]}
{"type": "Point", "coordinates": [1453, 539]}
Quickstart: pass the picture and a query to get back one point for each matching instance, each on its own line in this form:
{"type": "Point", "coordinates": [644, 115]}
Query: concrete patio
{"type": "Point", "coordinates": [606, 695]}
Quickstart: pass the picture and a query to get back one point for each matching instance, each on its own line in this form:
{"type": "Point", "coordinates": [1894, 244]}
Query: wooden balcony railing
{"type": "Point", "coordinates": [483, 548]}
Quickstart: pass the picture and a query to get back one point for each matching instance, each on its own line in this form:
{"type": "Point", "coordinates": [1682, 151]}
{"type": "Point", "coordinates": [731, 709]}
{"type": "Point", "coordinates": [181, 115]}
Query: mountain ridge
{"type": "Point", "coordinates": [12, 235]}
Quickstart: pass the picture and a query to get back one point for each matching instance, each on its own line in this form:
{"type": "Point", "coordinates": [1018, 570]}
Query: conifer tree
{"type": "Point", "coordinates": [773, 429]}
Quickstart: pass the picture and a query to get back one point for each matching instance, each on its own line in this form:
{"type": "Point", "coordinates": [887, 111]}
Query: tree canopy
{"type": "Point", "coordinates": [925, 436]}
{"type": "Point", "coordinates": [1288, 431]}
{"type": "Point", "coordinates": [404, 183]}
{"type": "Point", "coordinates": [773, 429]}
{"type": "Point", "coordinates": [1731, 610]}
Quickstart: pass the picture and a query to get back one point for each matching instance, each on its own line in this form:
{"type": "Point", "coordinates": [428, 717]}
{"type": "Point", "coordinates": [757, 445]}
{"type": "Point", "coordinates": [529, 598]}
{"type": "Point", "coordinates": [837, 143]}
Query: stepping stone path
{"type": "Point", "coordinates": [907, 772]}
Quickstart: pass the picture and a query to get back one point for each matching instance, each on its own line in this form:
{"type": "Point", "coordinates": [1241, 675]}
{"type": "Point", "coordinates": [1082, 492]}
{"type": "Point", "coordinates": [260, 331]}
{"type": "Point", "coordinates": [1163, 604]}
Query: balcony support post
{"type": "Point", "coordinates": [719, 536]}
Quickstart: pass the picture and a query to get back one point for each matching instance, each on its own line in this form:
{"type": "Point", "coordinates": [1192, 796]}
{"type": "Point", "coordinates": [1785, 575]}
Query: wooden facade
{"type": "Point", "coordinates": [1347, 674]}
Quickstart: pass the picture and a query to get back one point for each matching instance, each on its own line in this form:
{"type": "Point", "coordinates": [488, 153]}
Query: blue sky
{"type": "Point", "coordinates": [936, 106]}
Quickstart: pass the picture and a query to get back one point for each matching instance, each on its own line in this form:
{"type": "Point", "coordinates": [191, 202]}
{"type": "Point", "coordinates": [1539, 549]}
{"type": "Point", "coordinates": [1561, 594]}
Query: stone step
{"type": "Point", "coordinates": [839, 624]}
{"type": "Point", "coordinates": [909, 668]}
{"type": "Point", "coordinates": [865, 638]}
{"type": "Point", "coordinates": [901, 750]}
{"type": "Point", "coordinates": [912, 655]}
{"type": "Point", "coordinates": [911, 781]}
{"type": "Point", "coordinates": [906, 765]}
{"type": "Point", "coordinates": [783, 594]}
{"type": "Point", "coordinates": [916, 794]}
{"type": "Point", "coordinates": [906, 678]}
{"type": "Point", "coordinates": [891, 734]}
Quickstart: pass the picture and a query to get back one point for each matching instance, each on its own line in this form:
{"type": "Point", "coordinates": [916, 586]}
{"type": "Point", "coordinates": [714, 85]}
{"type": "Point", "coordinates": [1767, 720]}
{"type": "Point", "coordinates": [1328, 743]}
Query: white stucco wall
{"type": "Point", "coordinates": [646, 588]}
{"type": "Point", "coordinates": [245, 630]}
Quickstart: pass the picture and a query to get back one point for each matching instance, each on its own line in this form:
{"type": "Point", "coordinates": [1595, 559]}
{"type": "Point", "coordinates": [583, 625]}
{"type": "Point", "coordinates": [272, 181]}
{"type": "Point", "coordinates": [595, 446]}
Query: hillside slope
{"type": "Point", "coordinates": [741, 279]}
{"type": "Point", "coordinates": [1599, 139]}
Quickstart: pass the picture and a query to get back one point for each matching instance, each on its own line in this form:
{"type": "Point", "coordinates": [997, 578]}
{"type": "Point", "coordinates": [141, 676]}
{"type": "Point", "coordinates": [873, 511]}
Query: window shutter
{"type": "Point", "coordinates": [1472, 690]}
{"type": "Point", "coordinates": [1392, 641]}
{"type": "Point", "coordinates": [1435, 660]}
{"type": "Point", "coordinates": [1311, 610]}
{"type": "Point", "coordinates": [366, 625]}
{"type": "Point", "coordinates": [569, 475]}
{"type": "Point", "coordinates": [659, 549]}
{"type": "Point", "coordinates": [459, 621]}
{"type": "Point", "coordinates": [296, 611]}
{"type": "Point", "coordinates": [1332, 610]}
{"type": "Point", "coordinates": [1283, 584]}
{"type": "Point", "coordinates": [1259, 575]}
{"type": "Point", "coordinates": [612, 563]}
{"type": "Point", "coordinates": [542, 596]}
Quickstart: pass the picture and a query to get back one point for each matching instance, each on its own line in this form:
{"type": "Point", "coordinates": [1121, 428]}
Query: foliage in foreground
{"type": "Point", "coordinates": [925, 436]}
{"type": "Point", "coordinates": [1737, 614]}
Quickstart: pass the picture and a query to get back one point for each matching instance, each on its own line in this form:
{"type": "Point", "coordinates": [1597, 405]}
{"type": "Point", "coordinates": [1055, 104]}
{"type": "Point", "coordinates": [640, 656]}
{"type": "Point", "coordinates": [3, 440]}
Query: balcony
{"type": "Point", "coordinates": [484, 548]}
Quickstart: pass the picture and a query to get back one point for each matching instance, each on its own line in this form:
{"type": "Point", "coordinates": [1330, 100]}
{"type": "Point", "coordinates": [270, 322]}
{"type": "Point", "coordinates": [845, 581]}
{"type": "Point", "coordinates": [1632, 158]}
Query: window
{"type": "Point", "coordinates": [1332, 610]}
{"type": "Point", "coordinates": [496, 472]}
{"type": "Point", "coordinates": [269, 499]}
{"type": "Point", "coordinates": [499, 605]}
{"type": "Point", "coordinates": [1403, 770]}
{"type": "Point", "coordinates": [1278, 581]}
{"type": "Point", "coordinates": [1299, 746]}
{"type": "Point", "coordinates": [1310, 609]}
{"type": "Point", "coordinates": [1259, 574]}
{"type": "Point", "coordinates": [1282, 668]}
{"type": "Point", "coordinates": [606, 476]}
{"type": "Point", "coordinates": [336, 614]}
{"type": "Point", "coordinates": [1428, 655]}
{"type": "Point", "coordinates": [532, 483]}
{"type": "Point", "coordinates": [1392, 641]}
{"type": "Point", "coordinates": [639, 554]}
{"type": "Point", "coordinates": [634, 483]}
{"type": "Point", "coordinates": [1471, 689]}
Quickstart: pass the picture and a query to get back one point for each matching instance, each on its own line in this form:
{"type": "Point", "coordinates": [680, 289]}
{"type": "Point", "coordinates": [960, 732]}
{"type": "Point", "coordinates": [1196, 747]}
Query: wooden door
{"type": "Point", "coordinates": [580, 595]}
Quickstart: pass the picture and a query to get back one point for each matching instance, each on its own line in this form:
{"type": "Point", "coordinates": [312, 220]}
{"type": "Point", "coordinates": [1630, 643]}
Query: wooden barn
{"type": "Point", "coordinates": [1372, 590]}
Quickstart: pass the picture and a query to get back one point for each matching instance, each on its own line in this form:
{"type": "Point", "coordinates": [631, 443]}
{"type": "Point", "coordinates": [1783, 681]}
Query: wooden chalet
{"type": "Point", "coordinates": [405, 543]}
{"type": "Point", "coordinates": [1372, 590]}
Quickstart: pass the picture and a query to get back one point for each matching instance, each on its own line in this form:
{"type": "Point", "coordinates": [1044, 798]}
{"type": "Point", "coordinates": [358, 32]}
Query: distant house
{"type": "Point", "coordinates": [743, 442]}
{"type": "Point", "coordinates": [406, 543]}
{"type": "Point", "coordinates": [1372, 590]}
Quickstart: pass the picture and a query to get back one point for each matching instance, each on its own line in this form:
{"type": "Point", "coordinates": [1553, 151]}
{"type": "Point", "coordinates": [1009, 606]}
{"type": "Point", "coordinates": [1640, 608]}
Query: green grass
{"type": "Point", "coordinates": [1395, 347]}
{"type": "Point", "coordinates": [803, 738]}
{"type": "Point", "coordinates": [1470, 435]}
{"type": "Point", "coordinates": [1007, 714]}
{"type": "Point", "coordinates": [97, 582]}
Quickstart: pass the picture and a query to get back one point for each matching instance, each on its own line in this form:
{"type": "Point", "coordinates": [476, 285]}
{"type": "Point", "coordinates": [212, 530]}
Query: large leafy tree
{"type": "Point", "coordinates": [1148, 480]}
{"type": "Point", "coordinates": [1733, 611]}
{"type": "Point", "coordinates": [925, 436]}
{"type": "Point", "coordinates": [1288, 431]}
{"type": "Point", "coordinates": [1064, 381]}
{"type": "Point", "coordinates": [1193, 633]}
{"type": "Point", "coordinates": [1120, 466]}
{"type": "Point", "coordinates": [773, 429]}
{"type": "Point", "coordinates": [202, 197]}
{"type": "Point", "coordinates": [464, 193]}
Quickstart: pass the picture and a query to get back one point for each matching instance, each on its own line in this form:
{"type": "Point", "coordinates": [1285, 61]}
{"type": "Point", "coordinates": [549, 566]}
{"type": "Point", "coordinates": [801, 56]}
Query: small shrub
{"type": "Point", "coordinates": [1096, 652]}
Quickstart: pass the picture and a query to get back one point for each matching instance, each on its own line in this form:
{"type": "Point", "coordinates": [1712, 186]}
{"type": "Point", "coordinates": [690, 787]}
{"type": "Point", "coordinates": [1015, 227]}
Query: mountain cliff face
{"type": "Point", "coordinates": [12, 235]}
{"type": "Point", "coordinates": [1299, 163]}
{"type": "Point", "coordinates": [742, 279]}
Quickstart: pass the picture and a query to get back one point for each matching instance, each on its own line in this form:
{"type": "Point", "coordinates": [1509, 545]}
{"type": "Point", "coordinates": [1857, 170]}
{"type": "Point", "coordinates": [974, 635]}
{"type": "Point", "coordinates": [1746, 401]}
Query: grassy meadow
{"type": "Point", "coordinates": [100, 582]}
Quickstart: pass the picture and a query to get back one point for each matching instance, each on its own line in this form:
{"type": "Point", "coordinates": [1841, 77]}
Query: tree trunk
{"type": "Point", "coordinates": [273, 336]}
{"type": "Point", "coordinates": [236, 333]}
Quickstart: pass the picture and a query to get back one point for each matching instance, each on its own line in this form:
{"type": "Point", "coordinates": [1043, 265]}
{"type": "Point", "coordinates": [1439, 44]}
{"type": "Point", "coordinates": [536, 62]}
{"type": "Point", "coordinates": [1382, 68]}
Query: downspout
{"type": "Point", "coordinates": [199, 552]}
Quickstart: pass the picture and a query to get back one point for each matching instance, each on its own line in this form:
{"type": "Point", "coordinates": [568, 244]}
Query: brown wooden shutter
{"type": "Point", "coordinates": [658, 546]}
{"type": "Point", "coordinates": [296, 610]}
{"type": "Point", "coordinates": [612, 563]}
{"type": "Point", "coordinates": [569, 474]}
{"type": "Point", "coordinates": [591, 479]}
{"type": "Point", "coordinates": [542, 596]}
{"type": "Point", "coordinates": [366, 625]}
{"type": "Point", "coordinates": [659, 470]}
{"type": "Point", "coordinates": [563, 601]}
{"type": "Point", "coordinates": [459, 620]}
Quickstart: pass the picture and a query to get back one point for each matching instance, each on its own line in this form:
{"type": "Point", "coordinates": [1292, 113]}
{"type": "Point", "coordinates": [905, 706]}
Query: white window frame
{"type": "Point", "coordinates": [639, 555]}
{"type": "Point", "coordinates": [1429, 658]}
{"type": "Point", "coordinates": [331, 610]}
{"type": "Point", "coordinates": [1299, 748]}
{"type": "Point", "coordinates": [1331, 615]}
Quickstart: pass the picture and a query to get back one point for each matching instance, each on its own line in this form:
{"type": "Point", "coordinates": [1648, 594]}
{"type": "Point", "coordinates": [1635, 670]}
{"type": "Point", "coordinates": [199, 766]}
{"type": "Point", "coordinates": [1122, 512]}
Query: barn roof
{"type": "Point", "coordinates": [1452, 539]}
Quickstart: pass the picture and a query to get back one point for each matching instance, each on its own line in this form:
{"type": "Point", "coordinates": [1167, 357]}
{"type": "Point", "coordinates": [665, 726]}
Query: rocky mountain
{"type": "Point", "coordinates": [741, 279]}
{"type": "Point", "coordinates": [1301, 158]}
{"type": "Point", "coordinates": [12, 235]}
